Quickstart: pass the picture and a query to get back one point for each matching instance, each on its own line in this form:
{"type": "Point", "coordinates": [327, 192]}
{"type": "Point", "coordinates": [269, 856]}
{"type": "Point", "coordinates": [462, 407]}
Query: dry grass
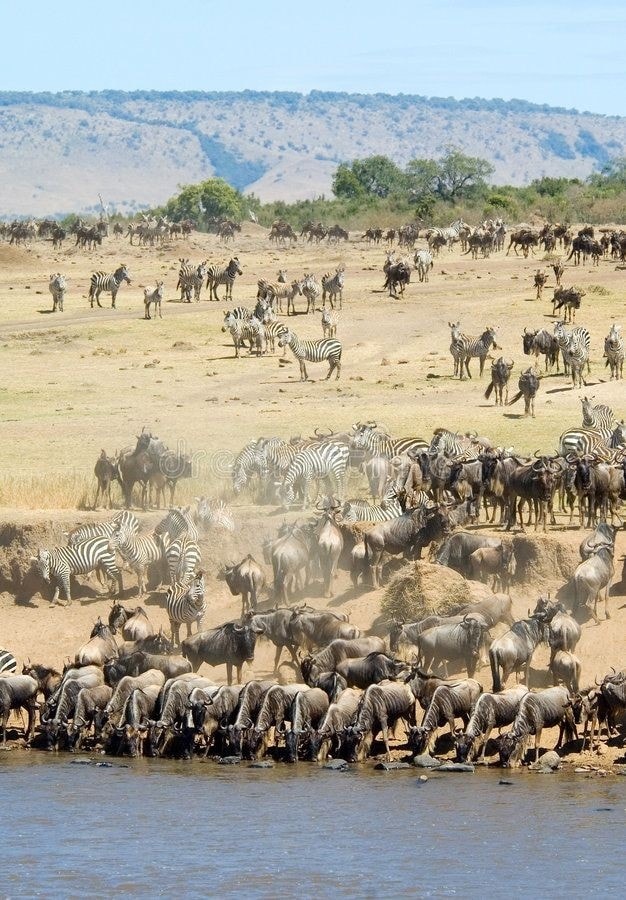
{"type": "Point", "coordinates": [422, 589]}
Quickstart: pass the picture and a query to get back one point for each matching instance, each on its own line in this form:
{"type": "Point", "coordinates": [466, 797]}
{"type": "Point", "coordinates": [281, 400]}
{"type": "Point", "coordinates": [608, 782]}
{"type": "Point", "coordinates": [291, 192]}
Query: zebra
{"type": "Point", "coordinates": [330, 320]}
{"type": "Point", "coordinates": [110, 284]}
{"type": "Point", "coordinates": [155, 296]}
{"type": "Point", "coordinates": [363, 511]}
{"type": "Point", "coordinates": [190, 278]}
{"type": "Point", "coordinates": [183, 558]}
{"type": "Point", "coordinates": [576, 342]}
{"type": "Point", "coordinates": [583, 441]}
{"type": "Point", "coordinates": [368, 438]}
{"type": "Point", "coordinates": [248, 462]}
{"type": "Point", "coordinates": [226, 276]}
{"type": "Point", "coordinates": [601, 417]}
{"type": "Point", "coordinates": [214, 514]}
{"type": "Point", "coordinates": [60, 563]}
{"type": "Point", "coordinates": [311, 290]}
{"type": "Point", "coordinates": [124, 519]}
{"type": "Point", "coordinates": [175, 524]}
{"type": "Point", "coordinates": [465, 347]}
{"type": "Point", "coordinates": [613, 350]}
{"type": "Point", "coordinates": [139, 551]}
{"type": "Point", "coordinates": [459, 447]}
{"type": "Point", "coordinates": [273, 330]}
{"type": "Point", "coordinates": [8, 663]}
{"type": "Point", "coordinates": [328, 461]}
{"type": "Point", "coordinates": [242, 330]}
{"type": "Point", "coordinates": [333, 287]}
{"type": "Point", "coordinates": [276, 292]}
{"type": "Point", "coordinates": [279, 455]}
{"type": "Point", "coordinates": [185, 603]}
{"type": "Point", "coordinates": [57, 286]}
{"type": "Point", "coordinates": [313, 351]}
{"type": "Point", "coordinates": [456, 347]}
{"type": "Point", "coordinates": [423, 263]}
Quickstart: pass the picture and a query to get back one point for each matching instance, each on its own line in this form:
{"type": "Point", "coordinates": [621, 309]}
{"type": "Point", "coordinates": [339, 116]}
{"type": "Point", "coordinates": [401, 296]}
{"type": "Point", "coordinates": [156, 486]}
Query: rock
{"type": "Point", "coordinates": [504, 781]}
{"type": "Point", "coordinates": [229, 761]}
{"type": "Point", "coordinates": [424, 761]}
{"type": "Point", "coordinates": [549, 762]}
{"type": "Point", "coordinates": [104, 765]}
{"type": "Point", "coordinates": [336, 765]}
{"type": "Point", "coordinates": [619, 770]}
{"type": "Point", "coordinates": [261, 764]}
{"type": "Point", "coordinates": [391, 766]}
{"type": "Point", "coordinates": [423, 778]}
{"type": "Point", "coordinates": [82, 761]}
{"type": "Point", "coordinates": [455, 767]}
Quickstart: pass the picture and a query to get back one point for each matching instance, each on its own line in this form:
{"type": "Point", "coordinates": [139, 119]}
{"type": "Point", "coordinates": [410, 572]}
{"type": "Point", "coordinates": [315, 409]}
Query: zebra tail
{"type": "Point", "coordinates": [488, 391]}
{"type": "Point", "coordinates": [515, 398]}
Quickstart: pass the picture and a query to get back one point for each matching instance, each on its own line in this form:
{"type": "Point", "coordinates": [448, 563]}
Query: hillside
{"type": "Point", "coordinates": [58, 151]}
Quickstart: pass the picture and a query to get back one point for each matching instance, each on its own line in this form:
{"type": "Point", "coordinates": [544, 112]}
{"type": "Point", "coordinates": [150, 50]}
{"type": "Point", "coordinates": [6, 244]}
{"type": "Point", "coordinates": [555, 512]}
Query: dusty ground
{"type": "Point", "coordinates": [86, 379]}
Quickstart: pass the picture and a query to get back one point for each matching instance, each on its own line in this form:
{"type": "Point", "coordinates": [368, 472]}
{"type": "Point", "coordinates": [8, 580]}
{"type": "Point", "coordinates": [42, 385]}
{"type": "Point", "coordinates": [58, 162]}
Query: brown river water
{"type": "Point", "coordinates": [162, 828]}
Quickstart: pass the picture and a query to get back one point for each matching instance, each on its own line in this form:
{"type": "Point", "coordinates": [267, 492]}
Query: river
{"type": "Point", "coordinates": [160, 828]}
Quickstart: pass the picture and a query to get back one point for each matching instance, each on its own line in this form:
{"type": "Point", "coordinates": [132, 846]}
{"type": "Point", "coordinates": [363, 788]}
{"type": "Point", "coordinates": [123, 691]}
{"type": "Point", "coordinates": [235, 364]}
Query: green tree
{"type": "Point", "coordinates": [199, 202]}
{"type": "Point", "coordinates": [346, 185]}
{"type": "Point", "coordinates": [376, 176]}
{"type": "Point", "coordinates": [460, 176]}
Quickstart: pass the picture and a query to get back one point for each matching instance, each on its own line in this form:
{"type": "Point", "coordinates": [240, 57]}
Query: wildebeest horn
{"type": "Point", "coordinates": [537, 454]}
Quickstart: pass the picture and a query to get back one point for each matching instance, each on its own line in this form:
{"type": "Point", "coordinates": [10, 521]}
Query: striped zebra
{"type": "Point", "coordinates": [330, 320]}
{"type": "Point", "coordinates": [226, 276]}
{"type": "Point", "coordinates": [465, 347]}
{"type": "Point", "coordinates": [275, 292]}
{"type": "Point", "coordinates": [363, 511]}
{"type": "Point", "coordinates": [458, 447]}
{"type": "Point", "coordinates": [175, 524]}
{"type": "Point", "coordinates": [125, 519]}
{"type": "Point", "coordinates": [583, 441]}
{"type": "Point", "coordinates": [614, 351]}
{"type": "Point", "coordinates": [60, 563]}
{"type": "Point", "coordinates": [212, 513]}
{"type": "Point", "coordinates": [183, 558]}
{"type": "Point", "coordinates": [333, 287]}
{"type": "Point", "coordinates": [369, 438]}
{"type": "Point", "coordinates": [248, 462]}
{"type": "Point", "coordinates": [601, 417]}
{"type": "Point", "coordinates": [575, 343]}
{"type": "Point", "coordinates": [57, 286]}
{"type": "Point", "coordinates": [8, 663]}
{"type": "Point", "coordinates": [312, 291]}
{"type": "Point", "coordinates": [185, 603]}
{"type": "Point", "coordinates": [139, 551]}
{"type": "Point", "coordinates": [423, 260]}
{"type": "Point", "coordinates": [313, 351]}
{"type": "Point", "coordinates": [191, 279]}
{"type": "Point", "coordinates": [110, 284]}
{"type": "Point", "coordinates": [273, 330]}
{"type": "Point", "coordinates": [242, 330]}
{"type": "Point", "coordinates": [324, 461]}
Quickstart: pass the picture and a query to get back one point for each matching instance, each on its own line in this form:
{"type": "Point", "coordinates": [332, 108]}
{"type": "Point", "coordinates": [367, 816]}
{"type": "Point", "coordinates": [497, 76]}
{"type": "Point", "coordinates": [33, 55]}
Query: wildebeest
{"type": "Point", "coordinates": [382, 705]}
{"type": "Point", "coordinates": [289, 554]}
{"type": "Point", "coordinates": [341, 713]}
{"type": "Point", "coordinates": [245, 578]}
{"type": "Point", "coordinates": [592, 576]}
{"type": "Point", "coordinates": [497, 562]}
{"type": "Point", "coordinates": [307, 710]}
{"type": "Point", "coordinates": [310, 628]}
{"type": "Point", "coordinates": [528, 386]}
{"type": "Point", "coordinates": [326, 660]}
{"type": "Point", "coordinates": [563, 632]}
{"type": "Point", "coordinates": [272, 714]}
{"type": "Point", "coordinates": [208, 711]}
{"type": "Point", "coordinates": [106, 472]}
{"type": "Point", "coordinates": [248, 706]}
{"type": "Point", "coordinates": [450, 701]}
{"type": "Point", "coordinates": [88, 702]}
{"type": "Point", "coordinates": [100, 647]}
{"type": "Point", "coordinates": [134, 623]}
{"type": "Point", "coordinates": [229, 644]}
{"type": "Point", "coordinates": [370, 669]}
{"type": "Point", "coordinates": [461, 640]}
{"type": "Point", "coordinates": [491, 711]}
{"type": "Point", "coordinates": [515, 649]}
{"type": "Point", "coordinates": [543, 343]}
{"type": "Point", "coordinates": [456, 550]}
{"type": "Point", "coordinates": [18, 692]}
{"type": "Point", "coordinates": [501, 370]}
{"type": "Point", "coordinates": [566, 667]}
{"type": "Point", "coordinates": [329, 546]}
{"type": "Point", "coordinates": [136, 715]}
{"type": "Point", "coordinates": [408, 533]}
{"type": "Point", "coordinates": [173, 710]}
{"type": "Point", "coordinates": [543, 709]}
{"type": "Point", "coordinates": [275, 626]}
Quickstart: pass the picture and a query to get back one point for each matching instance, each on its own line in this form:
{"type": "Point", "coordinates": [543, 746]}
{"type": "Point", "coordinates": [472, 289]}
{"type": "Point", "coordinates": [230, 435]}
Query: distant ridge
{"type": "Point", "coordinates": [59, 150]}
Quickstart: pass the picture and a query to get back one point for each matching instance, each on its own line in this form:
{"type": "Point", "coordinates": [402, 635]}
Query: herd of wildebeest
{"type": "Point", "coordinates": [133, 690]}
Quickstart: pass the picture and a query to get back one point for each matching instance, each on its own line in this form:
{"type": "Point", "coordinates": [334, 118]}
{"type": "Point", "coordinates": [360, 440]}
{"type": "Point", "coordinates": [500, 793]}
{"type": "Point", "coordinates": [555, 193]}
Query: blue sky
{"type": "Point", "coordinates": [561, 52]}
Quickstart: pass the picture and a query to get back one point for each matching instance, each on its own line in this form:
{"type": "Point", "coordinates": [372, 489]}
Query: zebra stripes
{"type": "Point", "coordinates": [190, 279]}
{"type": "Point", "coordinates": [333, 287]}
{"type": "Point", "coordinates": [423, 263]}
{"type": "Point", "coordinates": [213, 513]}
{"type": "Point", "coordinates": [183, 558]}
{"type": "Point", "coordinates": [330, 320]}
{"type": "Point", "coordinates": [456, 446]}
{"type": "Point", "coordinates": [248, 462]}
{"type": "Point", "coordinates": [313, 351]}
{"type": "Point", "coordinates": [367, 437]}
{"type": "Point", "coordinates": [465, 347]}
{"type": "Point", "coordinates": [327, 461]}
{"type": "Point", "coordinates": [185, 603]}
{"type": "Point", "coordinates": [57, 286]}
{"type": "Point", "coordinates": [242, 330]}
{"type": "Point", "coordinates": [312, 291]}
{"type": "Point", "coordinates": [600, 417]}
{"type": "Point", "coordinates": [123, 519]}
{"type": "Point", "coordinates": [583, 441]}
{"type": "Point", "coordinates": [226, 276]}
{"type": "Point", "coordinates": [614, 351]}
{"type": "Point", "coordinates": [176, 524]}
{"type": "Point", "coordinates": [61, 562]}
{"type": "Point", "coordinates": [8, 663]}
{"type": "Point", "coordinates": [362, 511]}
{"type": "Point", "coordinates": [110, 284]}
{"type": "Point", "coordinates": [139, 551]}
{"type": "Point", "coordinates": [575, 346]}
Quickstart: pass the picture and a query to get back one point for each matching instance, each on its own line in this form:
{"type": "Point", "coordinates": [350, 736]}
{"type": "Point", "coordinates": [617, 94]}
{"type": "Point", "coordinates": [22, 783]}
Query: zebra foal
{"type": "Point", "coordinates": [57, 286]}
{"type": "Point", "coordinates": [313, 351]}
